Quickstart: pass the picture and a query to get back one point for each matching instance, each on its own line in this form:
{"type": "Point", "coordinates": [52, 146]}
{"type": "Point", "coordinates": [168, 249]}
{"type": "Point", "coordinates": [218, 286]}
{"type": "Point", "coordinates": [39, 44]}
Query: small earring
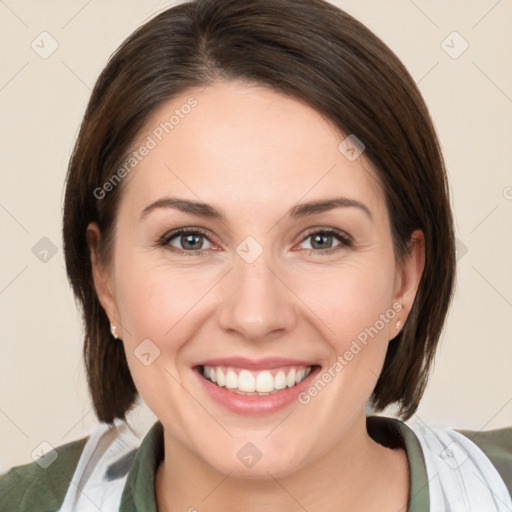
{"type": "Point", "coordinates": [113, 331]}
{"type": "Point", "coordinates": [398, 325]}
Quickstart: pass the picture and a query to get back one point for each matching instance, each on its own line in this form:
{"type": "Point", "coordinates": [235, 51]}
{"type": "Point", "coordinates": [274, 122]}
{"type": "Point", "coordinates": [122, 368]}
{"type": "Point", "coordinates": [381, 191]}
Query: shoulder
{"type": "Point", "coordinates": [40, 486]}
{"type": "Point", "coordinates": [497, 445]}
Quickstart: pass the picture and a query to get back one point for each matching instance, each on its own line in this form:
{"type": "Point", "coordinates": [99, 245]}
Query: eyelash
{"type": "Point", "coordinates": [345, 240]}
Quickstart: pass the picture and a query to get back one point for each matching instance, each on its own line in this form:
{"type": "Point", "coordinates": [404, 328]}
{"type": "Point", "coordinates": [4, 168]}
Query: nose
{"type": "Point", "coordinates": [256, 302]}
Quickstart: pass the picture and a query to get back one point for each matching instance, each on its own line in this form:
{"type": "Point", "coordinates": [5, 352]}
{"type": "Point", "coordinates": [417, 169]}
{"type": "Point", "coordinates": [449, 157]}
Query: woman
{"type": "Point", "coordinates": [257, 226]}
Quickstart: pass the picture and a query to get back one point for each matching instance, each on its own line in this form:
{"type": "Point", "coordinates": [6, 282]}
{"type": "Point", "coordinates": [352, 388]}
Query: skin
{"type": "Point", "coordinates": [255, 153]}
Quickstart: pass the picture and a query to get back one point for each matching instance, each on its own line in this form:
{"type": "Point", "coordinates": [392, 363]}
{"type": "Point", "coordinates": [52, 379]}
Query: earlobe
{"type": "Point", "coordinates": [100, 274]}
{"type": "Point", "coordinates": [409, 272]}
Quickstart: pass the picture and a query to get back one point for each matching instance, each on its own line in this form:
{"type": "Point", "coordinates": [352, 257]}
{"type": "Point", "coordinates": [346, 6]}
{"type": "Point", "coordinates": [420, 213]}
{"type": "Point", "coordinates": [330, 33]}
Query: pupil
{"type": "Point", "coordinates": [322, 239]}
{"type": "Point", "coordinates": [189, 240]}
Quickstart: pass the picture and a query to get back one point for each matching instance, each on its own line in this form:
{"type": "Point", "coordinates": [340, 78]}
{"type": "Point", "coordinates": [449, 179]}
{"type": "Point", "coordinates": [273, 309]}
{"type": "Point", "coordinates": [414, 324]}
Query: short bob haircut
{"type": "Point", "coordinates": [315, 53]}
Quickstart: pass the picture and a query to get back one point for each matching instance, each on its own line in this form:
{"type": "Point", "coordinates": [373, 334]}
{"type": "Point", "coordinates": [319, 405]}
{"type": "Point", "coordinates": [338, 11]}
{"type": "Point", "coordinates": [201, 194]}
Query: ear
{"type": "Point", "coordinates": [101, 276]}
{"type": "Point", "coordinates": [408, 273]}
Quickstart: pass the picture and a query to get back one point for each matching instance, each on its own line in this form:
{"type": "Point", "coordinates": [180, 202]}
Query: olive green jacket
{"type": "Point", "coordinates": [31, 488]}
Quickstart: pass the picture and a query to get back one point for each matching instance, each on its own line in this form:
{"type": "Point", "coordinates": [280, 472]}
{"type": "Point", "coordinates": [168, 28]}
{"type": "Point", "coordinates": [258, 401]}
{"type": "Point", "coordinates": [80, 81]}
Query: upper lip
{"type": "Point", "coordinates": [253, 364]}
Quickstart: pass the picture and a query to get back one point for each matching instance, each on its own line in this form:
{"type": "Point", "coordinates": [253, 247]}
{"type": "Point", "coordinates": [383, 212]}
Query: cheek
{"type": "Point", "coordinates": [350, 298]}
{"type": "Point", "coordinates": [166, 306]}
{"type": "Point", "coordinates": [350, 304]}
{"type": "Point", "coordinates": [153, 296]}
{"type": "Point", "coordinates": [155, 306]}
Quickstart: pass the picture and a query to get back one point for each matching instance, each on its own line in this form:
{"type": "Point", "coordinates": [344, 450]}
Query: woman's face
{"type": "Point", "coordinates": [258, 277]}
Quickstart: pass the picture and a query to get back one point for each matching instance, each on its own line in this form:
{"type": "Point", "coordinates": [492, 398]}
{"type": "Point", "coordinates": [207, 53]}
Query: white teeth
{"type": "Point", "coordinates": [280, 380]}
{"type": "Point", "coordinates": [290, 378]}
{"type": "Point", "coordinates": [262, 383]}
{"type": "Point", "coordinates": [231, 380]}
{"type": "Point", "coordinates": [221, 380]}
{"type": "Point", "coordinates": [246, 382]}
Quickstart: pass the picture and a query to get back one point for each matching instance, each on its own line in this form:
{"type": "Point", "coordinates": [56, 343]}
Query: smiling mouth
{"type": "Point", "coordinates": [255, 383]}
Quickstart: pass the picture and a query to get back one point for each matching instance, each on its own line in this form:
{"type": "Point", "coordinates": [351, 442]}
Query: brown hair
{"type": "Point", "coordinates": [311, 51]}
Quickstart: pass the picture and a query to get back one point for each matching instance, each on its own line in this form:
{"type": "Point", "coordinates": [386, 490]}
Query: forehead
{"type": "Point", "coordinates": [234, 144]}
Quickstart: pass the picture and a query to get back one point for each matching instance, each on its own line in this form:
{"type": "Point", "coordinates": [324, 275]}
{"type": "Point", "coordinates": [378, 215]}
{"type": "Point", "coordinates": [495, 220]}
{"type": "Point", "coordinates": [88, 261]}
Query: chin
{"type": "Point", "coordinates": [264, 468]}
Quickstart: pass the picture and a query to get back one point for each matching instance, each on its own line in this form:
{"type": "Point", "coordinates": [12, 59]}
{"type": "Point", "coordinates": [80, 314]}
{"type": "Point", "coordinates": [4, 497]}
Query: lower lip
{"type": "Point", "coordinates": [247, 405]}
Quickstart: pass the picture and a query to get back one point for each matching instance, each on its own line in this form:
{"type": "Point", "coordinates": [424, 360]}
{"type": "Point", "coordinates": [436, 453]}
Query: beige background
{"type": "Point", "coordinates": [43, 391]}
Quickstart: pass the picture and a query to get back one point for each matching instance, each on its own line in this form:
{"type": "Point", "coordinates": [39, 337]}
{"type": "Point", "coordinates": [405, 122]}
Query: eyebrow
{"type": "Point", "coordinates": [208, 211]}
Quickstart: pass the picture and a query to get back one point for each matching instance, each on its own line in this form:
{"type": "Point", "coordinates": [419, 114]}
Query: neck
{"type": "Point", "coordinates": [356, 474]}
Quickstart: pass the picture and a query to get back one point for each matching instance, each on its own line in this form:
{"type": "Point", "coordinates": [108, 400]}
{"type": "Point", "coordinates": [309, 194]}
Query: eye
{"type": "Point", "coordinates": [188, 241]}
{"type": "Point", "coordinates": [322, 241]}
